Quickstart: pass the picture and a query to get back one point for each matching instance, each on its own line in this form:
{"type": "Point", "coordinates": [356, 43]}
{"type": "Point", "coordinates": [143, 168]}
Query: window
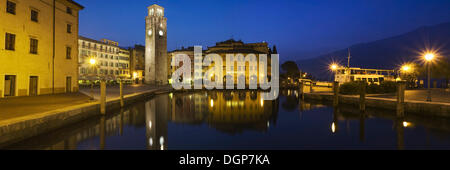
{"type": "Point", "coordinates": [10, 41]}
{"type": "Point", "coordinates": [69, 28]}
{"type": "Point", "coordinates": [34, 15]}
{"type": "Point", "coordinates": [68, 53]}
{"type": "Point", "coordinates": [11, 7]}
{"type": "Point", "coordinates": [69, 10]}
{"type": "Point", "coordinates": [33, 46]}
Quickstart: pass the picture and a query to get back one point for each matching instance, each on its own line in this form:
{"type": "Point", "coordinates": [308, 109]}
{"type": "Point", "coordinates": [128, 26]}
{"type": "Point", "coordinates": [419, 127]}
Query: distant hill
{"type": "Point", "coordinates": [387, 53]}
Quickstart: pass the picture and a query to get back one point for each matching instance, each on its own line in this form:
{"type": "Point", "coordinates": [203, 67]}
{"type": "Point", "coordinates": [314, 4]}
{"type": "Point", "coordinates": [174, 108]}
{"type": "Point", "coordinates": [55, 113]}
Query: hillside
{"type": "Point", "coordinates": [387, 53]}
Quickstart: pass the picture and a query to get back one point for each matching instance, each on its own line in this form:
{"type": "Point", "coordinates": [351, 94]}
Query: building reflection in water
{"type": "Point", "coordinates": [229, 112]}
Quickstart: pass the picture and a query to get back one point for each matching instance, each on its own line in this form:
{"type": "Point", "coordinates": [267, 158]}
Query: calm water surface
{"type": "Point", "coordinates": [241, 120]}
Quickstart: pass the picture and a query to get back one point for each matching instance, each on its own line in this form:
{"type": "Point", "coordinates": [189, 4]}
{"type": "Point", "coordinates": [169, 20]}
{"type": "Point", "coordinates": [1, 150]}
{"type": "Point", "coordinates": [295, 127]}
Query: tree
{"type": "Point", "coordinates": [275, 51]}
{"type": "Point", "coordinates": [290, 68]}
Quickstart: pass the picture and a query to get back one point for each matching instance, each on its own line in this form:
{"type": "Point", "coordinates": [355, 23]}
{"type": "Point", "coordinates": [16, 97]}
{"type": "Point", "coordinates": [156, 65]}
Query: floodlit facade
{"type": "Point", "coordinates": [102, 59]}
{"type": "Point", "coordinates": [232, 47]}
{"type": "Point", "coordinates": [156, 46]}
{"type": "Point", "coordinates": [38, 42]}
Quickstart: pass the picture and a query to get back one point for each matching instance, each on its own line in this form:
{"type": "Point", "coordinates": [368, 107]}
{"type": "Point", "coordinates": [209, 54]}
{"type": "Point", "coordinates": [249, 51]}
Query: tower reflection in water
{"type": "Point", "coordinates": [230, 112]}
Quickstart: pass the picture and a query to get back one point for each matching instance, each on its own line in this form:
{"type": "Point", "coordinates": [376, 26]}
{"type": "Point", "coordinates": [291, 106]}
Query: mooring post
{"type": "Point", "coordinates": [401, 87]}
{"type": "Point", "coordinates": [362, 96]}
{"type": "Point", "coordinates": [103, 97]}
{"type": "Point", "coordinates": [335, 94]}
{"type": "Point", "coordinates": [121, 94]}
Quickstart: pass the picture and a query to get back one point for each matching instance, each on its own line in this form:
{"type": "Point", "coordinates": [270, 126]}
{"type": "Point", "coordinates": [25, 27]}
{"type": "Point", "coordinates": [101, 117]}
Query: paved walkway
{"type": "Point", "coordinates": [114, 91]}
{"type": "Point", "coordinates": [437, 95]}
{"type": "Point", "coordinates": [24, 106]}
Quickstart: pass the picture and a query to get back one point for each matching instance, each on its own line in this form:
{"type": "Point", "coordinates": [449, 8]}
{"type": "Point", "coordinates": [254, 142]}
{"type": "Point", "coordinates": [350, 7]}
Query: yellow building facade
{"type": "Point", "coordinates": [102, 59]}
{"type": "Point", "coordinates": [38, 50]}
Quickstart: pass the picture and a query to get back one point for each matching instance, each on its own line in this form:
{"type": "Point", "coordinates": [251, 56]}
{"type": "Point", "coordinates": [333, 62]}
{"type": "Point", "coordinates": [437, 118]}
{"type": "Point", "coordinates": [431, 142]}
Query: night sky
{"type": "Point", "coordinates": [299, 28]}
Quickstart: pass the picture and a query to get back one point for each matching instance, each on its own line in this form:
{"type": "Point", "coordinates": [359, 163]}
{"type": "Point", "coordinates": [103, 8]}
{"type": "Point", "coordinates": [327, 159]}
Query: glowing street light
{"type": "Point", "coordinates": [92, 61]}
{"type": "Point", "coordinates": [428, 59]}
{"type": "Point", "coordinates": [406, 68]}
{"type": "Point", "coordinates": [334, 67]}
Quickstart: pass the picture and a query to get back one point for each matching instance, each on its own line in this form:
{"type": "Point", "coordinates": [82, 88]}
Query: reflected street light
{"type": "Point", "coordinates": [428, 59]}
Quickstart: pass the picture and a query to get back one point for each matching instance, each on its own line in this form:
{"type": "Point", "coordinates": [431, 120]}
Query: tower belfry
{"type": "Point", "coordinates": [156, 46]}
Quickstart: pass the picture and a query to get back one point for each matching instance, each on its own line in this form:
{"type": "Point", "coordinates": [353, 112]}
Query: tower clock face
{"type": "Point", "coordinates": [150, 32]}
{"type": "Point", "coordinates": [161, 33]}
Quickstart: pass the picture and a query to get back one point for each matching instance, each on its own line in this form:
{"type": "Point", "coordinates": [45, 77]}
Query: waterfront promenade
{"type": "Point", "coordinates": [24, 117]}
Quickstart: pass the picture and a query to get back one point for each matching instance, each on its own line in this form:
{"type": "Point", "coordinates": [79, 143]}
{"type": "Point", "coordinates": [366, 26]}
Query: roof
{"type": "Point", "coordinates": [92, 40]}
{"type": "Point", "coordinates": [77, 4]}
{"type": "Point", "coordinates": [234, 51]}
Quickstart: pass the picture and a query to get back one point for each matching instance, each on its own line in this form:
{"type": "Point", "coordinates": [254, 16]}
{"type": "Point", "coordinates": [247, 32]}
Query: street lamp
{"type": "Point", "coordinates": [428, 59]}
{"type": "Point", "coordinates": [406, 68]}
{"type": "Point", "coordinates": [93, 62]}
{"type": "Point", "coordinates": [334, 67]}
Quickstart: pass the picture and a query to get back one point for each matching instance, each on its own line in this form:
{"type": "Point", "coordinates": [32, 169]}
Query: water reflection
{"type": "Point", "coordinates": [241, 120]}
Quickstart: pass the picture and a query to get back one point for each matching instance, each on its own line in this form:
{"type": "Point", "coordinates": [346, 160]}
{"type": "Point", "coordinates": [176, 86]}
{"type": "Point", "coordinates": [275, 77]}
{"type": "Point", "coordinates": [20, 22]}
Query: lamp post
{"type": "Point", "coordinates": [428, 59]}
{"type": "Point", "coordinates": [93, 62]}
{"type": "Point", "coordinates": [333, 68]}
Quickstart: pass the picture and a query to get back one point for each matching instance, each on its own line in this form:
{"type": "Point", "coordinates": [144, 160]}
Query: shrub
{"type": "Point", "coordinates": [374, 89]}
{"type": "Point", "coordinates": [388, 86]}
{"type": "Point", "coordinates": [349, 88]}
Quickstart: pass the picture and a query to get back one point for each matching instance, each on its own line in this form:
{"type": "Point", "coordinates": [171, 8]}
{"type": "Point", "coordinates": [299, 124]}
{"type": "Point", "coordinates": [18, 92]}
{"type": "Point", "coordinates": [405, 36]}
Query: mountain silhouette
{"type": "Point", "coordinates": [387, 53]}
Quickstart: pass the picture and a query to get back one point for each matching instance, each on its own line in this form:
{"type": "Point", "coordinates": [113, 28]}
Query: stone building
{"type": "Point", "coordinates": [102, 59]}
{"type": "Point", "coordinates": [156, 46]}
{"type": "Point", "coordinates": [137, 63]}
{"type": "Point", "coordinates": [223, 48]}
{"type": "Point", "coordinates": [38, 42]}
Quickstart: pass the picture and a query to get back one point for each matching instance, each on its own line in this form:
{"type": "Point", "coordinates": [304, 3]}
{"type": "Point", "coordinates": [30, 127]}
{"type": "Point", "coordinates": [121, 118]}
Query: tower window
{"type": "Point", "coordinates": [69, 28]}
{"type": "Point", "coordinates": [68, 53]}
{"type": "Point", "coordinates": [69, 10]}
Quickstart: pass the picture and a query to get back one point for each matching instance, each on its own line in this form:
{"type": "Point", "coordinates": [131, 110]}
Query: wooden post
{"type": "Point", "coordinates": [401, 86]}
{"type": "Point", "coordinates": [103, 97]}
{"type": "Point", "coordinates": [335, 94]}
{"type": "Point", "coordinates": [362, 96]}
{"type": "Point", "coordinates": [121, 94]}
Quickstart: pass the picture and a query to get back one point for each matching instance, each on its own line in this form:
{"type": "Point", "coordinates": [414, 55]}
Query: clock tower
{"type": "Point", "coordinates": [156, 47]}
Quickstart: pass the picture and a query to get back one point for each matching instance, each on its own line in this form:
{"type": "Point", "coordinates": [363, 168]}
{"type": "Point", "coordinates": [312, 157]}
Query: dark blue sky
{"type": "Point", "coordinates": [299, 28]}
